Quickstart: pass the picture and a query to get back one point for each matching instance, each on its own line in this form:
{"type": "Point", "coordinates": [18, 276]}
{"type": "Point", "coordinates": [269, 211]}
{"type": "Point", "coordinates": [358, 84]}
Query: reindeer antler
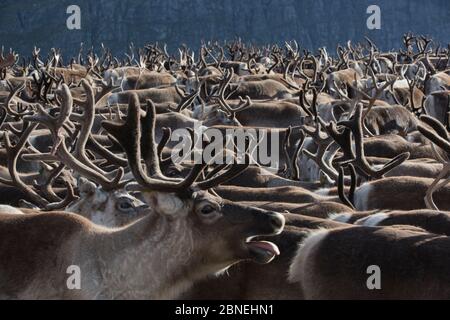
{"type": "Point", "coordinates": [7, 62]}
{"type": "Point", "coordinates": [130, 136]}
{"type": "Point", "coordinates": [60, 151]}
{"type": "Point", "coordinates": [355, 125]}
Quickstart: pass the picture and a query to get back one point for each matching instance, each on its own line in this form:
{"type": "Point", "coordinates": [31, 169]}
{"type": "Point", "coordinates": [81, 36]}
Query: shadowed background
{"type": "Point", "coordinates": [313, 23]}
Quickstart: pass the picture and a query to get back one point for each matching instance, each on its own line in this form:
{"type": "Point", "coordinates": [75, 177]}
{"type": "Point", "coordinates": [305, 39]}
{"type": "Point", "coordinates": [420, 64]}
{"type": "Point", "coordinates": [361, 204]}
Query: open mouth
{"type": "Point", "coordinates": [261, 251]}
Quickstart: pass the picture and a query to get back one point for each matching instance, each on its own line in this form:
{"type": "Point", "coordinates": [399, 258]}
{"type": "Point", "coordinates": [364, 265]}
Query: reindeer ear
{"type": "Point", "coordinates": [86, 187]}
{"type": "Point", "coordinates": [167, 204]}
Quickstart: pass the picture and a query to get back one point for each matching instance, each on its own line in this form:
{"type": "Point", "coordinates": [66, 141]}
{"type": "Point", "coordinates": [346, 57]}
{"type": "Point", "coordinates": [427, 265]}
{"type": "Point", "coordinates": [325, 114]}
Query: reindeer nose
{"type": "Point", "coordinates": [277, 220]}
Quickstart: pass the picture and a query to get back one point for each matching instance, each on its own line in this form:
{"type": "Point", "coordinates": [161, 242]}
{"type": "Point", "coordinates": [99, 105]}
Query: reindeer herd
{"type": "Point", "coordinates": [88, 178]}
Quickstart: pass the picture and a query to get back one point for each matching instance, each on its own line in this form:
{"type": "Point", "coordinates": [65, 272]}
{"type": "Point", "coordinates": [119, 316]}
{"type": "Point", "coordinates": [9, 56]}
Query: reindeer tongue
{"type": "Point", "coordinates": [265, 245]}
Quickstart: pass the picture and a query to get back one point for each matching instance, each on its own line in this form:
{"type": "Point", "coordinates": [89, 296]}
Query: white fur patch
{"type": "Point", "coordinates": [9, 210]}
{"type": "Point", "coordinates": [372, 220]}
{"type": "Point", "coordinates": [362, 197]}
{"type": "Point", "coordinates": [167, 203]}
{"type": "Point", "coordinates": [340, 217]}
{"type": "Point", "coordinates": [402, 84]}
{"type": "Point", "coordinates": [322, 191]}
{"type": "Point", "coordinates": [305, 248]}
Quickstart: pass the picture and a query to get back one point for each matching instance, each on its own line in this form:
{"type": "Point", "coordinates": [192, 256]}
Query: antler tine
{"type": "Point", "coordinates": [309, 108]}
{"type": "Point", "coordinates": [355, 125]}
{"type": "Point", "coordinates": [13, 154]}
{"type": "Point", "coordinates": [314, 63]}
{"type": "Point", "coordinates": [298, 149]}
{"type": "Point", "coordinates": [148, 143]}
{"type": "Point", "coordinates": [208, 52]}
{"type": "Point", "coordinates": [234, 171]}
{"type": "Point", "coordinates": [202, 56]}
{"type": "Point", "coordinates": [378, 91]}
{"type": "Point", "coordinates": [348, 201]}
{"type": "Point", "coordinates": [55, 124]}
{"type": "Point", "coordinates": [215, 170]}
{"type": "Point", "coordinates": [3, 116]}
{"type": "Point", "coordinates": [68, 199]}
{"type": "Point", "coordinates": [11, 128]}
{"type": "Point", "coordinates": [229, 73]}
{"type": "Point", "coordinates": [313, 103]}
{"type": "Point", "coordinates": [343, 139]}
{"type": "Point", "coordinates": [222, 100]}
{"type": "Point", "coordinates": [221, 57]}
{"type": "Point", "coordinates": [316, 133]}
{"type": "Point", "coordinates": [245, 104]}
{"type": "Point", "coordinates": [13, 92]}
{"type": "Point", "coordinates": [276, 63]}
{"type": "Point", "coordinates": [47, 84]}
{"type": "Point", "coordinates": [179, 91]}
{"type": "Point", "coordinates": [288, 67]}
{"type": "Point", "coordinates": [167, 132]}
{"type": "Point", "coordinates": [436, 125]}
{"type": "Point", "coordinates": [430, 65]}
{"type": "Point", "coordinates": [412, 84]}
{"type": "Point", "coordinates": [294, 170]}
{"type": "Point", "coordinates": [9, 61]}
{"type": "Point", "coordinates": [60, 151]}
{"type": "Point", "coordinates": [129, 136]}
{"type": "Point", "coordinates": [188, 100]}
{"type": "Point", "coordinates": [46, 187]}
{"type": "Point", "coordinates": [301, 99]}
{"type": "Point", "coordinates": [112, 158]}
{"type": "Point", "coordinates": [374, 98]}
{"type": "Point", "coordinates": [439, 136]}
{"type": "Point", "coordinates": [87, 121]}
{"type": "Point", "coordinates": [343, 95]}
{"type": "Point", "coordinates": [323, 142]}
{"type": "Point", "coordinates": [372, 73]}
{"type": "Point", "coordinates": [286, 144]}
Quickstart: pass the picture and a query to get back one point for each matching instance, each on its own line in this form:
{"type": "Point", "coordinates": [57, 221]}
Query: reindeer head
{"type": "Point", "coordinates": [212, 115]}
{"type": "Point", "coordinates": [220, 232]}
{"type": "Point", "coordinates": [220, 229]}
{"type": "Point", "coordinates": [109, 208]}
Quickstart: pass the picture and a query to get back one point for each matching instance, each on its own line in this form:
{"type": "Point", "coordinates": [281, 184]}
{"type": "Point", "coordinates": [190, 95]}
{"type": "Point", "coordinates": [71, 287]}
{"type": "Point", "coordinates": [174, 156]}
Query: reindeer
{"type": "Point", "coordinates": [269, 282]}
{"type": "Point", "coordinates": [87, 148]}
{"type": "Point", "coordinates": [180, 210]}
{"type": "Point", "coordinates": [332, 264]}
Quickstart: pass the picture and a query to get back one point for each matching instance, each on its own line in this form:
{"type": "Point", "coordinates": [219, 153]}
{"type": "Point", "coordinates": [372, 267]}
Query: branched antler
{"type": "Point", "coordinates": [355, 125]}
{"type": "Point", "coordinates": [137, 133]}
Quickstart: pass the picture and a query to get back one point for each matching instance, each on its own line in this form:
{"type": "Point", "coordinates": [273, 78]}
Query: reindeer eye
{"type": "Point", "coordinates": [207, 209]}
{"type": "Point", "coordinates": [124, 206]}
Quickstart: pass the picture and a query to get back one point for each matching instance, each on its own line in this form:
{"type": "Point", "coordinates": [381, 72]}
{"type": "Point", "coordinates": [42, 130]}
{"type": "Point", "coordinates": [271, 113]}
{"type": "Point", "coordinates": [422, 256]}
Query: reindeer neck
{"type": "Point", "coordinates": [140, 260]}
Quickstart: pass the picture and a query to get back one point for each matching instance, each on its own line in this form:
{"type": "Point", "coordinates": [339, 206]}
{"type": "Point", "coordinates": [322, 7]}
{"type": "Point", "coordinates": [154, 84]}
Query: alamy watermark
{"type": "Point", "coordinates": [374, 20]}
{"type": "Point", "coordinates": [227, 146]}
{"type": "Point", "coordinates": [374, 280]}
{"type": "Point", "coordinates": [73, 21]}
{"type": "Point", "coordinates": [73, 281]}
